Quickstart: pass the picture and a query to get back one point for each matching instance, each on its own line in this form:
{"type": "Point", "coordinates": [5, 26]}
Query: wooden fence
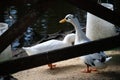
{"type": "Point", "coordinates": [24, 63]}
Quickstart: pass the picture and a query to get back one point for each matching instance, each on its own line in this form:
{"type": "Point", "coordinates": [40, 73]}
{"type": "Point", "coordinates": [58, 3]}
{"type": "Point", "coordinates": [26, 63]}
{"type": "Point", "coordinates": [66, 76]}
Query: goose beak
{"type": "Point", "coordinates": [62, 21]}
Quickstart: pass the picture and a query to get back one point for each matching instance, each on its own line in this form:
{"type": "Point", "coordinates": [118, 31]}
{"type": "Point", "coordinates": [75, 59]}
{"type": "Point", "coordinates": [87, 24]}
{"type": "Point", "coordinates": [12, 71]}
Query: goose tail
{"type": "Point", "coordinates": [107, 59]}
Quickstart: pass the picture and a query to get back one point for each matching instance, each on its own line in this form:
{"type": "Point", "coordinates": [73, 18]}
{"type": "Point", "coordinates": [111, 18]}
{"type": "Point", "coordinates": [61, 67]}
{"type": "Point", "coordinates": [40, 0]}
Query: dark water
{"type": "Point", "coordinates": [47, 23]}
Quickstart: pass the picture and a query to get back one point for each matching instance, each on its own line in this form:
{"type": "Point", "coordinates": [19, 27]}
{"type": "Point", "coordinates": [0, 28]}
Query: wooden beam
{"type": "Point", "coordinates": [24, 63]}
{"type": "Point", "coordinates": [98, 10]}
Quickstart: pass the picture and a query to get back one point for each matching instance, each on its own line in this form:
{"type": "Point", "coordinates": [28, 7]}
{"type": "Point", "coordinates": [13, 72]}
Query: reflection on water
{"type": "Point", "coordinates": [10, 18]}
{"type": "Point", "coordinates": [10, 15]}
{"type": "Point", "coordinates": [47, 23]}
{"type": "Point", "coordinates": [28, 36]}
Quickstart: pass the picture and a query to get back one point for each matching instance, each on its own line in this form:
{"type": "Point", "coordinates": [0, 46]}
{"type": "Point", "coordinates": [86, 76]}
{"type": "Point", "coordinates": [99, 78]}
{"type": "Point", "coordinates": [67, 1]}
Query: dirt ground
{"type": "Point", "coordinates": [71, 70]}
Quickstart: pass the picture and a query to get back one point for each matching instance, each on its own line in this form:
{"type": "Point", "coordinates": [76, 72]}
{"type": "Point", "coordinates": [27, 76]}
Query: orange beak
{"type": "Point", "coordinates": [62, 21]}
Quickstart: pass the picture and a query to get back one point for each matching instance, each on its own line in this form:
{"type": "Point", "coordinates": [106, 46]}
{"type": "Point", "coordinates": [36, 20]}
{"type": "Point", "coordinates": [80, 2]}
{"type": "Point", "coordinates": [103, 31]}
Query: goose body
{"type": "Point", "coordinates": [97, 28]}
{"type": "Point", "coordinates": [50, 45]}
{"type": "Point", "coordinates": [95, 59]}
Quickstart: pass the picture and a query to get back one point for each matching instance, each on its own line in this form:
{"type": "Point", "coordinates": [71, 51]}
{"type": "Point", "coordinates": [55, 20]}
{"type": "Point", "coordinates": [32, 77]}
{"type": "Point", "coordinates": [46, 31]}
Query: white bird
{"type": "Point", "coordinates": [97, 28]}
{"type": "Point", "coordinates": [50, 45]}
{"type": "Point", "coordinates": [95, 59]}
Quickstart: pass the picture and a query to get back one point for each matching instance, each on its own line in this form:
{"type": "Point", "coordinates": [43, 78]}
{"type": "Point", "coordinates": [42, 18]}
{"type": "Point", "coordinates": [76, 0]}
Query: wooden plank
{"type": "Point", "coordinates": [98, 10]}
{"type": "Point", "coordinates": [24, 63]}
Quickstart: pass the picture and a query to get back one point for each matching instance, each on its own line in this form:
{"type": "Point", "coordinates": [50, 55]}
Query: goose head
{"type": "Point", "coordinates": [68, 18]}
{"type": "Point", "coordinates": [80, 35]}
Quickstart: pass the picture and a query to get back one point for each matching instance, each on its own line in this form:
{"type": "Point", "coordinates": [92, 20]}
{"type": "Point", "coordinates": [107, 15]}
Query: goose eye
{"type": "Point", "coordinates": [94, 59]}
{"type": "Point", "coordinates": [67, 18]}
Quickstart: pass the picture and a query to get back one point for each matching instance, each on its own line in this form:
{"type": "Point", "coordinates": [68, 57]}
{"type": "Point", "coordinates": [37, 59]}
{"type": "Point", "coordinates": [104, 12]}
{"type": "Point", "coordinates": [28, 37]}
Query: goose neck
{"type": "Point", "coordinates": [80, 35]}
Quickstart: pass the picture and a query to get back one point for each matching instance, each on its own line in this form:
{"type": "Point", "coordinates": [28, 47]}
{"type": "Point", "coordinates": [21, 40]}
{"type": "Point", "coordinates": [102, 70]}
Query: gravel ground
{"type": "Point", "coordinates": [71, 70]}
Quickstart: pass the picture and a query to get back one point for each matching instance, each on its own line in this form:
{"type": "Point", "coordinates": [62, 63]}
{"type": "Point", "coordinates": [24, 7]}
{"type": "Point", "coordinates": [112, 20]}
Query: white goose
{"type": "Point", "coordinates": [96, 59]}
{"type": "Point", "coordinates": [50, 45]}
